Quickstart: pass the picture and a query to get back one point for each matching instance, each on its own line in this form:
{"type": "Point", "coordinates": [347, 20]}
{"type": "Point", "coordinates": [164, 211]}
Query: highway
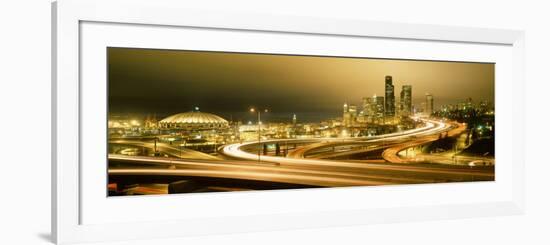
{"type": "Point", "coordinates": [236, 150]}
{"type": "Point", "coordinates": [297, 170]}
{"type": "Point", "coordinates": [318, 174]}
{"type": "Point", "coordinates": [454, 159]}
{"type": "Point", "coordinates": [171, 150]}
{"type": "Point", "coordinates": [391, 154]}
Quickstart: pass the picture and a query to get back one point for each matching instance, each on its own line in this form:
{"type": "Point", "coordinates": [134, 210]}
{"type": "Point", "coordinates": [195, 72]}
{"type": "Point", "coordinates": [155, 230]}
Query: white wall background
{"type": "Point", "coordinates": [25, 122]}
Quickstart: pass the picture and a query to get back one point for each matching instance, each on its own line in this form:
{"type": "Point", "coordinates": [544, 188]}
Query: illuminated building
{"type": "Point", "coordinates": [390, 97]}
{"type": "Point", "coordinates": [124, 126]}
{"type": "Point", "coordinates": [349, 118]}
{"type": "Point", "coordinates": [406, 100]}
{"type": "Point", "coordinates": [346, 117]}
{"type": "Point", "coordinates": [353, 113]}
{"type": "Point", "coordinates": [469, 104]}
{"type": "Point", "coordinates": [484, 106]}
{"type": "Point", "coordinates": [373, 109]}
{"type": "Point", "coordinates": [361, 117]}
{"type": "Point", "coordinates": [366, 107]}
{"type": "Point", "coordinates": [429, 104]}
{"type": "Point", "coordinates": [151, 121]}
{"type": "Point", "coordinates": [194, 120]}
{"type": "Point", "coordinates": [422, 108]}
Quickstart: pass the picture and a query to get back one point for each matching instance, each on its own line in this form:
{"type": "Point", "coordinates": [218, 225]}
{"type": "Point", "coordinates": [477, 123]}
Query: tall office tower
{"type": "Point", "coordinates": [364, 113]}
{"type": "Point", "coordinates": [406, 100]}
{"type": "Point", "coordinates": [369, 108]}
{"type": "Point", "coordinates": [294, 119]}
{"type": "Point", "coordinates": [390, 97]}
{"type": "Point", "coordinates": [346, 117]}
{"type": "Point", "coordinates": [398, 106]}
{"type": "Point", "coordinates": [365, 110]}
{"type": "Point", "coordinates": [429, 104]}
{"type": "Point", "coordinates": [375, 109]}
{"type": "Point", "coordinates": [353, 113]}
{"type": "Point", "coordinates": [379, 108]}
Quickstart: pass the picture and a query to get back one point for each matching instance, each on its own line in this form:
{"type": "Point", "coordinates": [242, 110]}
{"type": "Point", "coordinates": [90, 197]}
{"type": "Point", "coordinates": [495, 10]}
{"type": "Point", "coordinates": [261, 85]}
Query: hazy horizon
{"type": "Point", "coordinates": [144, 81]}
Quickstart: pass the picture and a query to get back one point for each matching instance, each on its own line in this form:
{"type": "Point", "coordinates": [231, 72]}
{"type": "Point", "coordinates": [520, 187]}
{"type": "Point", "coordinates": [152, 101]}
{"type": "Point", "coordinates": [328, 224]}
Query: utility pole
{"type": "Point", "coordinates": [259, 134]}
{"type": "Point", "coordinates": [259, 131]}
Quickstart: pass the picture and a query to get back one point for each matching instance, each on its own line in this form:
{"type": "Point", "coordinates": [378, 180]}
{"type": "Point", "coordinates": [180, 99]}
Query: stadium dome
{"type": "Point", "coordinates": [194, 120]}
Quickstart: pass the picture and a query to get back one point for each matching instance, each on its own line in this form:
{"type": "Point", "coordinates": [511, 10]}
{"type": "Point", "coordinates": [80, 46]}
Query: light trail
{"type": "Point", "coordinates": [314, 180]}
{"type": "Point", "coordinates": [391, 154]}
{"type": "Point", "coordinates": [180, 152]}
{"type": "Point", "coordinates": [246, 166]}
{"type": "Point", "coordinates": [234, 150]}
{"type": "Point", "coordinates": [303, 171]}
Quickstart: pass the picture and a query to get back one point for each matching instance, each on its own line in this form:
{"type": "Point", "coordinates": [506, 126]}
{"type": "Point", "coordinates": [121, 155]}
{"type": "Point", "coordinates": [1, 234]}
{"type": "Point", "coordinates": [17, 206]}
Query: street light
{"type": "Point", "coordinates": [259, 129]}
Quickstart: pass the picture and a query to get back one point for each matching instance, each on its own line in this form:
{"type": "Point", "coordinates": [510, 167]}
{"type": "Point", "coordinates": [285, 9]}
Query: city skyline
{"type": "Point", "coordinates": [184, 79]}
{"type": "Point", "coordinates": [236, 122]}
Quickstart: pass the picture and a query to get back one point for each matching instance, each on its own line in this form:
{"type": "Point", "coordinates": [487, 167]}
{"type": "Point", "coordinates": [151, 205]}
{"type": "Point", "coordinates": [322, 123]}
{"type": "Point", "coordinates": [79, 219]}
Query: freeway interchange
{"type": "Point", "coordinates": [313, 162]}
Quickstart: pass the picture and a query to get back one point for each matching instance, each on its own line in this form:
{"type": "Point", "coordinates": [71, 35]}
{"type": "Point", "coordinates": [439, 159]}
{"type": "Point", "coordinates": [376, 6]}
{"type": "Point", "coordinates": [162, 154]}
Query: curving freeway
{"type": "Point", "coordinates": [166, 148]}
{"type": "Point", "coordinates": [314, 174]}
{"type": "Point", "coordinates": [297, 170]}
{"type": "Point", "coordinates": [236, 150]}
{"type": "Point", "coordinates": [391, 154]}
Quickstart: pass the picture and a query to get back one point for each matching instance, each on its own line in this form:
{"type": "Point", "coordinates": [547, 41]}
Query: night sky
{"type": "Point", "coordinates": [143, 81]}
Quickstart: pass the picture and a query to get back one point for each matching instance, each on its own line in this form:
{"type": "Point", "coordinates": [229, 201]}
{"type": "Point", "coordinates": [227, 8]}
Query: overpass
{"type": "Point", "coordinates": [179, 152]}
{"type": "Point", "coordinates": [297, 170]}
{"type": "Point", "coordinates": [317, 173]}
{"type": "Point", "coordinates": [392, 154]}
{"type": "Point", "coordinates": [167, 170]}
{"type": "Point", "coordinates": [238, 151]}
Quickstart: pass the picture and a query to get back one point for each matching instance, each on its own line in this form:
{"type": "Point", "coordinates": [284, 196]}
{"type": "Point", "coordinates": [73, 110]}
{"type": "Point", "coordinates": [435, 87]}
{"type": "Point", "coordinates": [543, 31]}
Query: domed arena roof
{"type": "Point", "coordinates": [193, 119]}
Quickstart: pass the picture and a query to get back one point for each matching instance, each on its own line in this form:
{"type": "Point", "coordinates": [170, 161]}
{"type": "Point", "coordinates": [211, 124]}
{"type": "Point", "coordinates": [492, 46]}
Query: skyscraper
{"type": "Point", "coordinates": [353, 112]}
{"type": "Point", "coordinates": [379, 108]}
{"type": "Point", "coordinates": [390, 98]}
{"type": "Point", "coordinates": [406, 100]}
{"type": "Point", "coordinates": [350, 115]}
{"type": "Point", "coordinates": [346, 117]}
{"type": "Point", "coordinates": [373, 108]}
{"type": "Point", "coordinates": [366, 107]}
{"type": "Point", "coordinates": [429, 104]}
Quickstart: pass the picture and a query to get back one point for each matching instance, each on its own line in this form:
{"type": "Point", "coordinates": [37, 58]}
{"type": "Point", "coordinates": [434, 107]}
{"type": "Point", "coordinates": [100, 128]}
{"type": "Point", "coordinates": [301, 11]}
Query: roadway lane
{"type": "Point", "coordinates": [435, 128]}
{"type": "Point", "coordinates": [315, 173]}
{"type": "Point", "coordinates": [250, 171]}
{"type": "Point", "coordinates": [235, 150]}
{"type": "Point", "coordinates": [302, 171]}
{"type": "Point", "coordinates": [354, 150]}
{"type": "Point", "coordinates": [167, 148]}
{"type": "Point", "coordinates": [391, 154]}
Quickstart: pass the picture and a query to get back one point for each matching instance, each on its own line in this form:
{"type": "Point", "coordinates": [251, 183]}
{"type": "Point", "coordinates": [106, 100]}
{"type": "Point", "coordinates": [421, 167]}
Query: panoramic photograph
{"type": "Point", "coordinates": [185, 121]}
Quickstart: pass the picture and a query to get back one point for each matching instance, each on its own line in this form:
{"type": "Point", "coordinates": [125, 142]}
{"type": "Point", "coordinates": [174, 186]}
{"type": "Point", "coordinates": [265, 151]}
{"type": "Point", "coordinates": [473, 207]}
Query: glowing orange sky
{"type": "Point", "coordinates": [172, 80]}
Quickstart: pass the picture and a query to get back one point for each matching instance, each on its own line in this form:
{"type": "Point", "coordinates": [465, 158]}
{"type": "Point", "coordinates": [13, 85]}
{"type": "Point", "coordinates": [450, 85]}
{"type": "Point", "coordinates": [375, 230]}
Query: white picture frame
{"type": "Point", "coordinates": [68, 16]}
